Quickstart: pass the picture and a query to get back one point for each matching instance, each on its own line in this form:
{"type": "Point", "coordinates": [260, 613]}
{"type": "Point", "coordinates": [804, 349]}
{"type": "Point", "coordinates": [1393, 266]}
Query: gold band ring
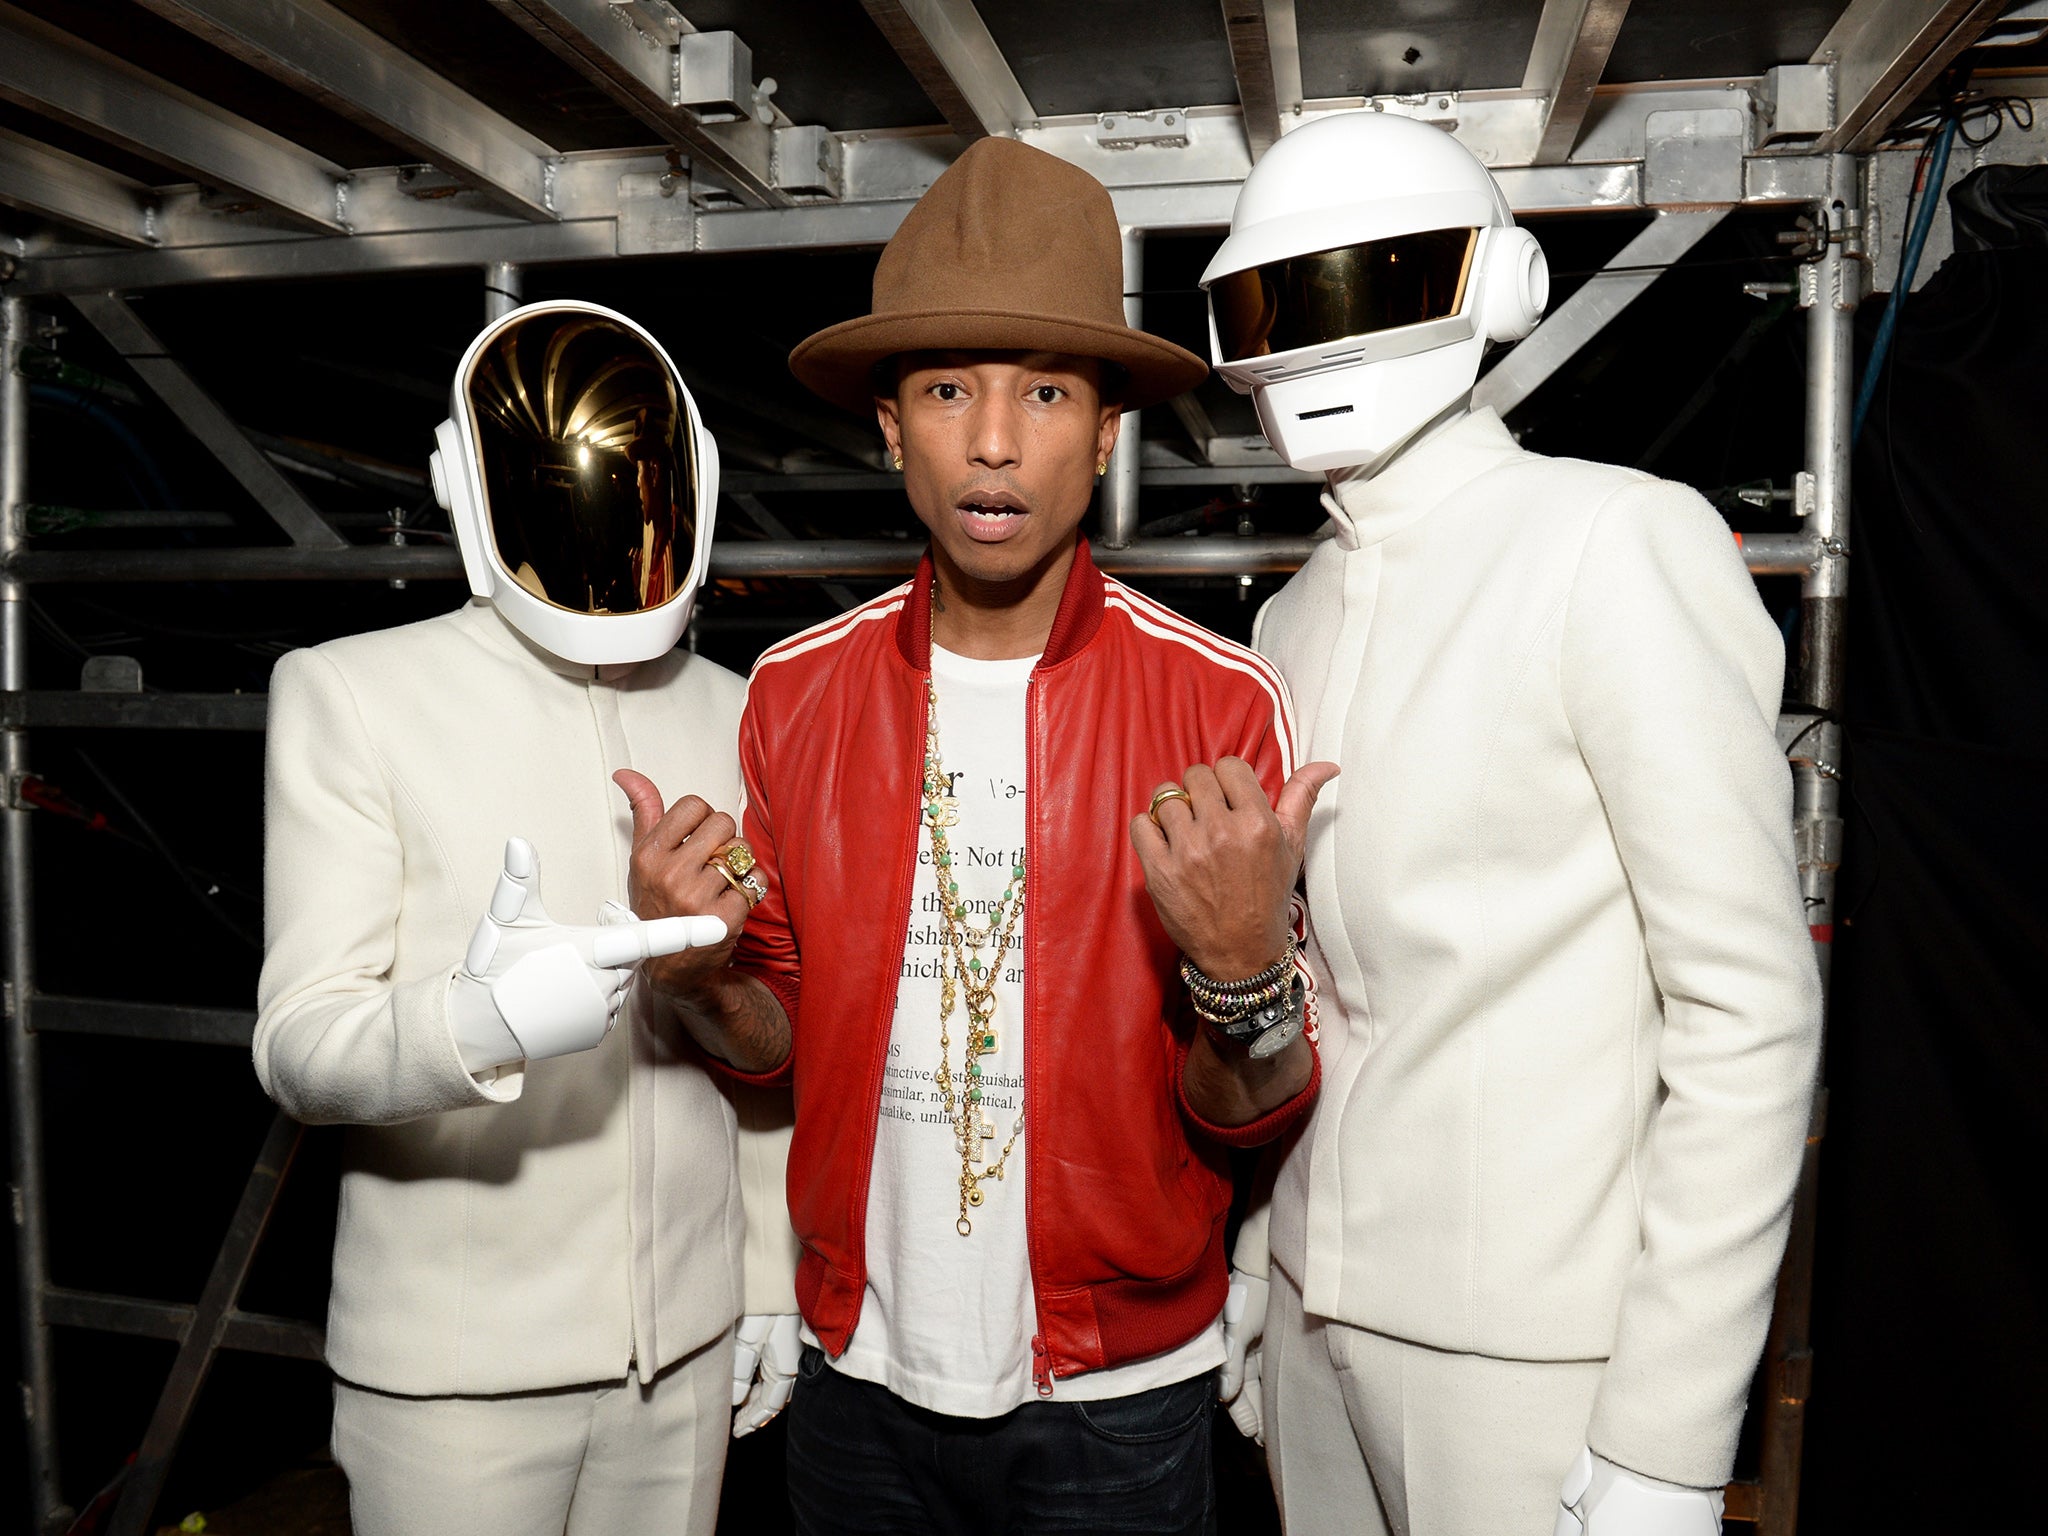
{"type": "Point", "coordinates": [735, 862]}
{"type": "Point", "coordinates": [1165, 793]}
{"type": "Point", "coordinates": [749, 886]}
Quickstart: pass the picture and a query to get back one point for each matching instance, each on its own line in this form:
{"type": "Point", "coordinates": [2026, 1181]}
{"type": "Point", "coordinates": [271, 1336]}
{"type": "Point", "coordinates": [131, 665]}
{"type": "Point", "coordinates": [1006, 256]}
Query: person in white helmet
{"type": "Point", "coordinates": [541, 1250]}
{"type": "Point", "coordinates": [1524, 1252]}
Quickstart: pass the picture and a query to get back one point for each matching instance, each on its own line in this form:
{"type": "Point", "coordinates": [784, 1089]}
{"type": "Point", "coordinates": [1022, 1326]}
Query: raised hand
{"type": "Point", "coordinates": [531, 988]}
{"type": "Point", "coordinates": [671, 875]}
{"type": "Point", "coordinates": [1220, 861]}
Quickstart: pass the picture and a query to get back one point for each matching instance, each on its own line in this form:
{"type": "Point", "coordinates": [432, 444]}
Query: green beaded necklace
{"type": "Point", "coordinates": [964, 977]}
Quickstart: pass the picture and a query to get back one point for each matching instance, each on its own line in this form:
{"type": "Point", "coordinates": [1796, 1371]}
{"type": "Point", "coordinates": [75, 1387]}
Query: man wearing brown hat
{"type": "Point", "coordinates": [990, 888]}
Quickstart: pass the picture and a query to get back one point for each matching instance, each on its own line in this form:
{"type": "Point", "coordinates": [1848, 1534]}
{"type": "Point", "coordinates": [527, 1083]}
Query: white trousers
{"type": "Point", "coordinates": [611, 1459]}
{"type": "Point", "coordinates": [1373, 1436]}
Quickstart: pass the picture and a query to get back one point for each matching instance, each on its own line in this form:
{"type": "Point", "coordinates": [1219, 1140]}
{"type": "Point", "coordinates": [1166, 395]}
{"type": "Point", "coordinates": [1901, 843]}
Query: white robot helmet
{"type": "Point", "coordinates": [580, 481]}
{"type": "Point", "coordinates": [1370, 260]}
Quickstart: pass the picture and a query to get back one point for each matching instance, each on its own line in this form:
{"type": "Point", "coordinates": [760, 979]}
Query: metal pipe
{"type": "Point", "coordinates": [1830, 286]}
{"type": "Point", "coordinates": [1777, 554]}
{"type": "Point", "coordinates": [1120, 484]}
{"type": "Point", "coordinates": [23, 1075]}
{"type": "Point", "coordinates": [504, 289]}
{"type": "Point", "coordinates": [736, 559]}
{"type": "Point", "coordinates": [823, 559]}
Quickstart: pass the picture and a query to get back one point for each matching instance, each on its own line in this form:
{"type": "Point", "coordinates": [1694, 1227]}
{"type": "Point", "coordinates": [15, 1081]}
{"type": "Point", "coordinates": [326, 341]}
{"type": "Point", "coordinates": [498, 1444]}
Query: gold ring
{"type": "Point", "coordinates": [1162, 795]}
{"type": "Point", "coordinates": [735, 862]}
{"type": "Point", "coordinates": [736, 856]}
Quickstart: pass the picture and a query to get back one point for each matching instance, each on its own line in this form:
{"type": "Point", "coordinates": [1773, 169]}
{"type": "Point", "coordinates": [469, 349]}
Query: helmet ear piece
{"type": "Point", "coordinates": [1517, 284]}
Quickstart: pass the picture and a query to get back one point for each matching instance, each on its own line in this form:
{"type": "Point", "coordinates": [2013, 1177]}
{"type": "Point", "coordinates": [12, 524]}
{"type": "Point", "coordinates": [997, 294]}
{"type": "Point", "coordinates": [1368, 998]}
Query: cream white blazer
{"type": "Point", "coordinates": [1571, 1014]}
{"type": "Point", "coordinates": [554, 1225]}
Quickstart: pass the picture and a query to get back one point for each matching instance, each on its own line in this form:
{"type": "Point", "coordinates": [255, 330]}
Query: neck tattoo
{"type": "Point", "coordinates": [965, 976]}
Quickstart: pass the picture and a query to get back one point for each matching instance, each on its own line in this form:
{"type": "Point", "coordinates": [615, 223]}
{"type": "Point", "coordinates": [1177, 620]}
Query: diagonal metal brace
{"type": "Point", "coordinates": [203, 417]}
{"type": "Point", "coordinates": [1589, 310]}
{"type": "Point", "coordinates": [205, 1335]}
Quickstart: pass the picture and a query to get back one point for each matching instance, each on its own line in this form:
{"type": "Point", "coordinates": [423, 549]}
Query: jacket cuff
{"type": "Point", "coordinates": [785, 991]}
{"type": "Point", "coordinates": [1269, 1126]}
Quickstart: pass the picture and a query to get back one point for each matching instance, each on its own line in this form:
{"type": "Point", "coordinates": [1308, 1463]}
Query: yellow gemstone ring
{"type": "Point", "coordinates": [735, 862]}
{"type": "Point", "coordinates": [1164, 793]}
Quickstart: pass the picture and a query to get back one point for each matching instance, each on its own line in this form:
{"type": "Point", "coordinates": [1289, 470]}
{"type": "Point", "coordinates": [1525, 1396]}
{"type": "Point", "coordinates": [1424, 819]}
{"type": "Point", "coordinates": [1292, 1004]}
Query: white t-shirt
{"type": "Point", "coordinates": [947, 1321]}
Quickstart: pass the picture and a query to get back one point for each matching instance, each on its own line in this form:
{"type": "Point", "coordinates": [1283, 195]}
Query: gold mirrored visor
{"type": "Point", "coordinates": [1354, 290]}
{"type": "Point", "coordinates": [589, 463]}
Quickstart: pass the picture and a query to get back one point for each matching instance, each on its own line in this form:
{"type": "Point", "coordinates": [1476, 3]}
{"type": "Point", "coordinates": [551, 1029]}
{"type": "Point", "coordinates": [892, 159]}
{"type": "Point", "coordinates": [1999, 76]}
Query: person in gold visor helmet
{"type": "Point", "coordinates": [580, 481]}
{"type": "Point", "coordinates": [542, 1255]}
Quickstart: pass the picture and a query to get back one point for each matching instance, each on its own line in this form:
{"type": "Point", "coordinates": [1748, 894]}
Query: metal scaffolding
{"type": "Point", "coordinates": [732, 172]}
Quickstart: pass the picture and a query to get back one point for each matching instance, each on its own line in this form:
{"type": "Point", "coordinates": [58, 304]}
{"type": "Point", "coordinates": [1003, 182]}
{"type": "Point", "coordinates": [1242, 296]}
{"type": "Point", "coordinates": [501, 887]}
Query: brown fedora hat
{"type": "Point", "coordinates": [1013, 250]}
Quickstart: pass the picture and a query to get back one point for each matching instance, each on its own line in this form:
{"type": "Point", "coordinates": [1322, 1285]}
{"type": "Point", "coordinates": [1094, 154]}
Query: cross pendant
{"type": "Point", "coordinates": [987, 1129]}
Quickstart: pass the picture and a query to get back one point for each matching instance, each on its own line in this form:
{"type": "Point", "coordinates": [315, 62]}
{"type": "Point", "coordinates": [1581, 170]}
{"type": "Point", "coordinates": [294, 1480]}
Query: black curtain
{"type": "Point", "coordinates": [1930, 1404]}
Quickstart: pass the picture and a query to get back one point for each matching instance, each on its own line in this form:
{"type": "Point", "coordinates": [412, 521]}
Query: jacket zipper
{"type": "Point", "coordinates": [882, 1028]}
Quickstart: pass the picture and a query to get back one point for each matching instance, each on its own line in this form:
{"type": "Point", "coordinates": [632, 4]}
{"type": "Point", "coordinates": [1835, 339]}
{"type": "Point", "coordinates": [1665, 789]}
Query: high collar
{"type": "Point", "coordinates": [494, 631]}
{"type": "Point", "coordinates": [1418, 479]}
{"type": "Point", "coordinates": [1073, 626]}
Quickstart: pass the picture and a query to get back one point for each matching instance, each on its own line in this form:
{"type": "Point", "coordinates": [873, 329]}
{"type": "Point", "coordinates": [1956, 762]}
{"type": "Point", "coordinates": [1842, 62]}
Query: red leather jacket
{"type": "Point", "coordinates": [1126, 1188]}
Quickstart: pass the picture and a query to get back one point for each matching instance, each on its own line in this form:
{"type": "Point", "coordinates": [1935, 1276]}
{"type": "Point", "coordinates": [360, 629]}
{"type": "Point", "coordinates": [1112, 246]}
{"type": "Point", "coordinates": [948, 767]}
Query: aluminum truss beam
{"type": "Point", "coordinates": [599, 41]}
{"type": "Point", "coordinates": [949, 51]}
{"type": "Point", "coordinates": [1265, 55]}
{"type": "Point", "coordinates": [1573, 40]}
{"type": "Point", "coordinates": [49, 72]}
{"type": "Point", "coordinates": [251, 1332]}
{"type": "Point", "coordinates": [818, 559]}
{"type": "Point", "coordinates": [1830, 288]}
{"type": "Point", "coordinates": [1119, 501]}
{"type": "Point", "coordinates": [24, 1072]}
{"type": "Point", "coordinates": [234, 1027]}
{"type": "Point", "coordinates": [1886, 53]}
{"type": "Point", "coordinates": [327, 55]}
{"type": "Point", "coordinates": [204, 419]}
{"type": "Point", "coordinates": [1589, 310]}
{"type": "Point", "coordinates": [37, 179]}
{"type": "Point", "coordinates": [206, 1331]}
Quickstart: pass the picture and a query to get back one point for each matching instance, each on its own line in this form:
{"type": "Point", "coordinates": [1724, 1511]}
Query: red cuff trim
{"type": "Point", "coordinates": [1269, 1126]}
{"type": "Point", "coordinates": [786, 991]}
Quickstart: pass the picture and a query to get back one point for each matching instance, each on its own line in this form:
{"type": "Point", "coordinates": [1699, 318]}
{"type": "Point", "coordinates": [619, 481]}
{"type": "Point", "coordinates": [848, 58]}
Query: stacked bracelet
{"type": "Point", "coordinates": [1227, 1003]}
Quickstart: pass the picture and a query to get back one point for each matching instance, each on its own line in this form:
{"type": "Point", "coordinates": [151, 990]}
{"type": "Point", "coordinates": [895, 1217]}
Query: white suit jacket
{"type": "Point", "coordinates": [1571, 1014]}
{"type": "Point", "coordinates": [575, 1215]}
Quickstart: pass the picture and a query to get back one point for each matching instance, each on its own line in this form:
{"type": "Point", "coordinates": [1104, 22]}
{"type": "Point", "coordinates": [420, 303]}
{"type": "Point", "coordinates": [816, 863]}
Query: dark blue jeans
{"type": "Point", "coordinates": [862, 1460]}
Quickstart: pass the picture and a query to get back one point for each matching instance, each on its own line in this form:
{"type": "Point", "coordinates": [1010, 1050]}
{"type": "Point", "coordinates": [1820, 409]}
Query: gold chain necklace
{"type": "Point", "coordinates": [963, 977]}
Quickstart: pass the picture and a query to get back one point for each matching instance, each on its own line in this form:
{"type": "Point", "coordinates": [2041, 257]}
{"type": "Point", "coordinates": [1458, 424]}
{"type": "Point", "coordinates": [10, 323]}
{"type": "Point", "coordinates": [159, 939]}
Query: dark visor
{"type": "Point", "coordinates": [589, 463]}
{"type": "Point", "coordinates": [1355, 290]}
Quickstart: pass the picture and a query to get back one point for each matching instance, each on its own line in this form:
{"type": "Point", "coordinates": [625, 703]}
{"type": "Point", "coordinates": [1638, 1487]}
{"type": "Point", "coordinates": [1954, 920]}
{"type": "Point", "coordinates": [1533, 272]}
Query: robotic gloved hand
{"type": "Point", "coordinates": [765, 1352]}
{"type": "Point", "coordinates": [1602, 1499]}
{"type": "Point", "coordinates": [1238, 1386]}
{"type": "Point", "coordinates": [531, 988]}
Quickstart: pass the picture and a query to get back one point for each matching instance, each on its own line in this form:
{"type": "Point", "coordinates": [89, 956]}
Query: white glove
{"type": "Point", "coordinates": [1244, 1337]}
{"type": "Point", "coordinates": [765, 1351]}
{"type": "Point", "coordinates": [1602, 1499]}
{"type": "Point", "coordinates": [530, 988]}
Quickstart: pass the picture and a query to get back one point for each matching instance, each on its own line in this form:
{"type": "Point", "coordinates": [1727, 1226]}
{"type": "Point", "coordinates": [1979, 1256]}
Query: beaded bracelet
{"type": "Point", "coordinates": [1226, 1002]}
{"type": "Point", "coordinates": [1228, 1009]}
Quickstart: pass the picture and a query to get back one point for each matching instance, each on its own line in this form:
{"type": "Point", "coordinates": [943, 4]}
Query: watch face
{"type": "Point", "coordinates": [588, 462]}
{"type": "Point", "coordinates": [1354, 290]}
